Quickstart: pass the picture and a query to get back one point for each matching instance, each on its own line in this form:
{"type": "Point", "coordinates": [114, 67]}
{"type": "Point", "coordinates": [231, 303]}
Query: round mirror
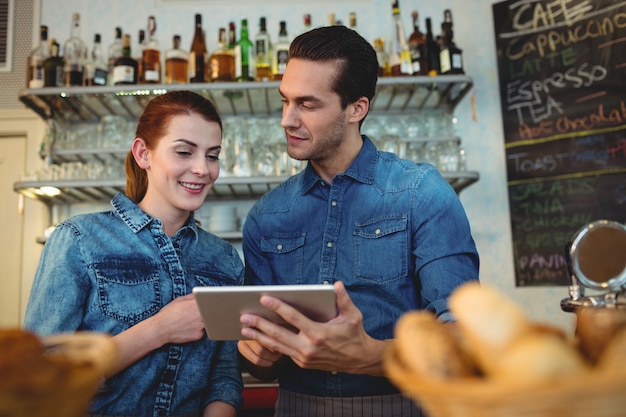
{"type": "Point", "coordinates": [598, 255]}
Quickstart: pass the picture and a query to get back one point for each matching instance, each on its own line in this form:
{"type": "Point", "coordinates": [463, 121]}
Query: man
{"type": "Point", "coordinates": [389, 234]}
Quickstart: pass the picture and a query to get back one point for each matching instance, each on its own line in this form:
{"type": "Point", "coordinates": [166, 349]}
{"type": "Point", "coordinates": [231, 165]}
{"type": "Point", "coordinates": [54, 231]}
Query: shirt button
{"type": "Point", "coordinates": [279, 247]}
{"type": "Point", "coordinates": [334, 204]}
{"type": "Point", "coordinates": [326, 282]}
{"type": "Point", "coordinates": [377, 231]}
{"type": "Point", "coordinates": [329, 244]}
{"type": "Point", "coordinates": [334, 372]}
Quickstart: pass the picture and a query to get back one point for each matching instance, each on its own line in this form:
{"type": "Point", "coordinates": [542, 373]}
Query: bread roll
{"type": "Point", "coordinates": [428, 347]}
{"type": "Point", "coordinates": [51, 376]}
{"type": "Point", "coordinates": [596, 326]}
{"type": "Point", "coordinates": [17, 344]}
{"type": "Point", "coordinates": [613, 356]}
{"type": "Point", "coordinates": [538, 357]}
{"type": "Point", "coordinates": [489, 321]}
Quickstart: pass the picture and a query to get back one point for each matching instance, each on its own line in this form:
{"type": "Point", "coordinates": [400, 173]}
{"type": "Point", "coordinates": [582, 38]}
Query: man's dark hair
{"type": "Point", "coordinates": [355, 56]}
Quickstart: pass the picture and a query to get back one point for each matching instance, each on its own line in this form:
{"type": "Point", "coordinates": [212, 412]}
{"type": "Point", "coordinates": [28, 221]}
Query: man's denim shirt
{"type": "Point", "coordinates": [392, 230]}
{"type": "Point", "coordinates": [106, 272]}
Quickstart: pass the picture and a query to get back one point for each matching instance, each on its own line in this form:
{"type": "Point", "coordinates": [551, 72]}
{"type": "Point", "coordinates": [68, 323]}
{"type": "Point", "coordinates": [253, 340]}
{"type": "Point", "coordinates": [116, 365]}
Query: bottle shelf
{"type": "Point", "coordinates": [87, 191]}
{"type": "Point", "coordinates": [79, 105]}
{"type": "Point", "coordinates": [231, 188]}
{"type": "Point", "coordinates": [108, 155]}
{"type": "Point", "coordinates": [91, 104]}
{"type": "Point", "coordinates": [89, 155]}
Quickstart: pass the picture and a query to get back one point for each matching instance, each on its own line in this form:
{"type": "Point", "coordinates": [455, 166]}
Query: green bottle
{"type": "Point", "coordinates": [244, 55]}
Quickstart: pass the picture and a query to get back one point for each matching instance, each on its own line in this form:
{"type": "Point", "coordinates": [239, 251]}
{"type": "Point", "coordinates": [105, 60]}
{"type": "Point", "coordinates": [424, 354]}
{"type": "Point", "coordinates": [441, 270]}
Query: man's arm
{"type": "Point", "coordinates": [341, 344]}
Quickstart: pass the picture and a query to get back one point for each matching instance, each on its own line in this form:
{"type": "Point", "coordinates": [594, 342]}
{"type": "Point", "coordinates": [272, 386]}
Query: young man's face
{"type": "Point", "coordinates": [314, 122]}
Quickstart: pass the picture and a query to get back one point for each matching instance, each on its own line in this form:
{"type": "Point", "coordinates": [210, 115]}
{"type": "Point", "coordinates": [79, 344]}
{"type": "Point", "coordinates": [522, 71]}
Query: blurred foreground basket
{"type": "Point", "coordinates": [59, 381]}
{"type": "Point", "coordinates": [600, 394]}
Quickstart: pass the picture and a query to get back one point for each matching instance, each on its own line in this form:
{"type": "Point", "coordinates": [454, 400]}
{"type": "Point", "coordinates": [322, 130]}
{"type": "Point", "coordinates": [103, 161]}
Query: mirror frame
{"type": "Point", "coordinates": [614, 283]}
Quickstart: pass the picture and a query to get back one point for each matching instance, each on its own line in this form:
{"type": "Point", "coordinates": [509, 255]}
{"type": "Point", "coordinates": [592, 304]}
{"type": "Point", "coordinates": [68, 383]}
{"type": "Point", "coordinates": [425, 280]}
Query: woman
{"type": "Point", "coordinates": [130, 271]}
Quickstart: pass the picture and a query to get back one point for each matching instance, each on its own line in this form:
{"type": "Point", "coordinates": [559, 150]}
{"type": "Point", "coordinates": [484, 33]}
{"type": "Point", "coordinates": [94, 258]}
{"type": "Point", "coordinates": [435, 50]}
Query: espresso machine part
{"type": "Point", "coordinates": [597, 261]}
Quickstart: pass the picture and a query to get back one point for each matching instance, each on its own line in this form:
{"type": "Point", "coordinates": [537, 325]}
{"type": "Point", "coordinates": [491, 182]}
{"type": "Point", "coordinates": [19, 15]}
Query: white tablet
{"type": "Point", "coordinates": [221, 307]}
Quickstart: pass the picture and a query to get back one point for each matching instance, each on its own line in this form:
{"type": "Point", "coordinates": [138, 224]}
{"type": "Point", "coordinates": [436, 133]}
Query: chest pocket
{"type": "Point", "coordinates": [128, 291]}
{"type": "Point", "coordinates": [285, 253]}
{"type": "Point", "coordinates": [381, 252]}
{"type": "Point", "coordinates": [205, 275]}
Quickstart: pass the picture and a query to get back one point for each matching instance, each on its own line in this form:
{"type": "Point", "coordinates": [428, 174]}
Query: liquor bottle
{"type": "Point", "coordinates": [263, 47]}
{"type": "Point", "coordinates": [244, 58]}
{"type": "Point", "coordinates": [137, 53]}
{"type": "Point", "coordinates": [450, 56]}
{"type": "Point", "coordinates": [151, 62]}
{"type": "Point", "coordinates": [198, 54]}
{"type": "Point", "coordinates": [352, 21]}
{"type": "Point", "coordinates": [176, 62]}
{"type": "Point", "coordinates": [74, 55]}
{"type": "Point", "coordinates": [281, 52]}
{"type": "Point", "coordinates": [114, 51]}
{"type": "Point", "coordinates": [34, 72]}
{"type": "Point", "coordinates": [332, 21]}
{"type": "Point", "coordinates": [400, 56]}
{"type": "Point", "coordinates": [53, 67]}
{"type": "Point", "coordinates": [382, 57]}
{"type": "Point", "coordinates": [307, 23]}
{"type": "Point", "coordinates": [432, 50]}
{"type": "Point", "coordinates": [125, 67]}
{"type": "Point", "coordinates": [96, 72]}
{"type": "Point", "coordinates": [417, 46]}
{"type": "Point", "coordinates": [232, 36]}
{"type": "Point", "coordinates": [222, 60]}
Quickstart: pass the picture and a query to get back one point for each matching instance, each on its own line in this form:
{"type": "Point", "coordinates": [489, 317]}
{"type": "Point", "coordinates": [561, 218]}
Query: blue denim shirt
{"type": "Point", "coordinates": [106, 272]}
{"type": "Point", "coordinates": [393, 231]}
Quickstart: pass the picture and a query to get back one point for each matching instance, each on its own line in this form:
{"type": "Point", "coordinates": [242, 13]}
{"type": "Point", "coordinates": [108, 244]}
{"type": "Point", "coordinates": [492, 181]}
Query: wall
{"type": "Point", "coordinates": [20, 250]}
{"type": "Point", "coordinates": [13, 81]}
{"type": "Point", "coordinates": [486, 201]}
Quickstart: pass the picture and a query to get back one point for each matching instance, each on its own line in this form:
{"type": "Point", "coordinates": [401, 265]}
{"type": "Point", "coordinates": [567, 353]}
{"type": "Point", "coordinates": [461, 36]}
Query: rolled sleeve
{"type": "Point", "coordinates": [60, 287]}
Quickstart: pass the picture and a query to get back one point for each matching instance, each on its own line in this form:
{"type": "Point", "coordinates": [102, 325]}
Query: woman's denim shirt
{"type": "Point", "coordinates": [106, 272]}
{"type": "Point", "coordinates": [393, 231]}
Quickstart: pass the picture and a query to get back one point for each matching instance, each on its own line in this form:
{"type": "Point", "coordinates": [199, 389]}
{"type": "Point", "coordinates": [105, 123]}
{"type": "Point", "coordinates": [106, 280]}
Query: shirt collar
{"type": "Point", "coordinates": [362, 168]}
{"type": "Point", "coordinates": [136, 219]}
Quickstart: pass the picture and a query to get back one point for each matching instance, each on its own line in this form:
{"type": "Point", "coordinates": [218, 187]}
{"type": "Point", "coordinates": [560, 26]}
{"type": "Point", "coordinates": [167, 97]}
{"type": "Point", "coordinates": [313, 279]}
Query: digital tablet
{"type": "Point", "coordinates": [221, 307]}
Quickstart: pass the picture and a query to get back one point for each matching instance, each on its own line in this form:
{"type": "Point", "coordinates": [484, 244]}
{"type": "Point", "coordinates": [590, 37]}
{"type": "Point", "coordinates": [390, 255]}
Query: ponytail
{"type": "Point", "coordinates": [136, 179]}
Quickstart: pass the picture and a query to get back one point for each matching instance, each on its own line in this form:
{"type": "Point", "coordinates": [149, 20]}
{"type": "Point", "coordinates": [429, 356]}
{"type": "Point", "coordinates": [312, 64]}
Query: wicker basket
{"type": "Point", "coordinates": [63, 382]}
{"type": "Point", "coordinates": [598, 395]}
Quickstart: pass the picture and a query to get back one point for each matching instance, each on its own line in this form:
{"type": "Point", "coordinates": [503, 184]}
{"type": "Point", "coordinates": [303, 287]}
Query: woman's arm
{"type": "Point", "coordinates": [219, 409]}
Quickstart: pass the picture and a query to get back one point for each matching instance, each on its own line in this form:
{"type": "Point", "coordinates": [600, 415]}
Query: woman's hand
{"type": "Point", "coordinates": [180, 321]}
{"type": "Point", "coordinates": [177, 322]}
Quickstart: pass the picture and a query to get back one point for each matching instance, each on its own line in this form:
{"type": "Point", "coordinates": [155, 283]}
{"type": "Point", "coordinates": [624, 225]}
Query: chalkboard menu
{"type": "Point", "coordinates": [562, 75]}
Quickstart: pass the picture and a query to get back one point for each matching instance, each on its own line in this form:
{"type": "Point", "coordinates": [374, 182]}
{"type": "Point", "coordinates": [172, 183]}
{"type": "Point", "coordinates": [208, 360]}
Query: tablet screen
{"type": "Point", "coordinates": [222, 306]}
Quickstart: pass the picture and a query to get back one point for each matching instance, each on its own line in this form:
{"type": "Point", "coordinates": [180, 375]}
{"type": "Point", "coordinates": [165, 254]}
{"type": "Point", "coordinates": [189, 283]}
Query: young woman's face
{"type": "Point", "coordinates": [183, 166]}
